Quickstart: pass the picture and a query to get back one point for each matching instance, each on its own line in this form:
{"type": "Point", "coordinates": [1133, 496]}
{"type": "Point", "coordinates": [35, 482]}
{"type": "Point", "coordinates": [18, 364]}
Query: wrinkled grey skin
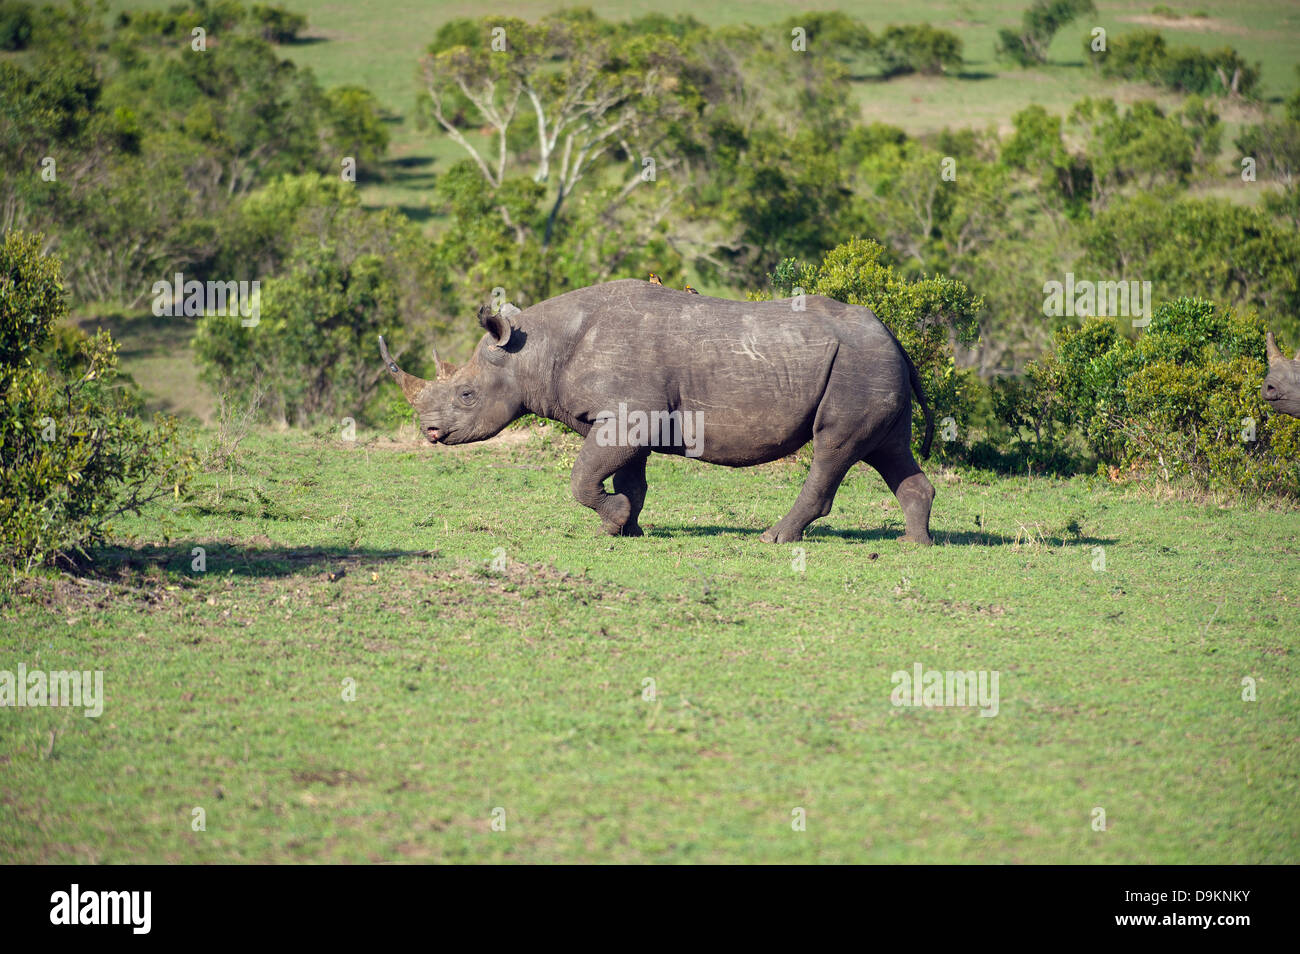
{"type": "Point", "coordinates": [1281, 387]}
{"type": "Point", "coordinates": [766, 378]}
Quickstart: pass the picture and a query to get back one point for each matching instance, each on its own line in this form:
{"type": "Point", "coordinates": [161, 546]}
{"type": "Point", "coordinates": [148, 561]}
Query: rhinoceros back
{"type": "Point", "coordinates": [755, 373]}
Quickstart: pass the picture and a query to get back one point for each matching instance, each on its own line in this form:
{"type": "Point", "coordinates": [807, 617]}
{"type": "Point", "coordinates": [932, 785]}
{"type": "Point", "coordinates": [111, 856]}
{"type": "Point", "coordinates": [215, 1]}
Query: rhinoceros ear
{"type": "Point", "coordinates": [498, 326]}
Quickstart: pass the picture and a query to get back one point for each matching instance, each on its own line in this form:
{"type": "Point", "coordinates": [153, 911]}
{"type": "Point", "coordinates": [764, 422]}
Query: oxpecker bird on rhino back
{"type": "Point", "coordinates": [637, 368]}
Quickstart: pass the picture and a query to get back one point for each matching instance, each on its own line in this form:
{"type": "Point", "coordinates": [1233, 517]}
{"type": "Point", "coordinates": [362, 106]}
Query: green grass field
{"type": "Point", "coordinates": [522, 688]}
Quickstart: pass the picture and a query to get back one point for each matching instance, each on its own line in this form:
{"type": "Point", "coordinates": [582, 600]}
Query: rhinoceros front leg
{"type": "Point", "coordinates": [596, 464]}
{"type": "Point", "coordinates": [631, 483]}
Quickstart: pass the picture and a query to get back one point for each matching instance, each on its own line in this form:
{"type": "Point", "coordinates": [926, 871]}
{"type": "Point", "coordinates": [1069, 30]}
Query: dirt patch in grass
{"type": "Point", "coordinates": [1195, 24]}
{"type": "Point", "coordinates": [67, 593]}
{"type": "Point", "coordinates": [459, 591]}
{"type": "Point", "coordinates": [157, 579]}
{"type": "Point", "coordinates": [963, 608]}
{"type": "Point", "coordinates": [330, 777]}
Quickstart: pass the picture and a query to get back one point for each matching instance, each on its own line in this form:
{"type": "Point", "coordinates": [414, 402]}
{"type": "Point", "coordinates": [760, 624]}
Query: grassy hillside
{"type": "Point", "coordinates": [522, 688]}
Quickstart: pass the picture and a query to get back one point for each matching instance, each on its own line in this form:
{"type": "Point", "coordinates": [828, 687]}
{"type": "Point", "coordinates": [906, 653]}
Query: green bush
{"type": "Point", "coordinates": [180, 19]}
{"type": "Point", "coordinates": [15, 24]}
{"type": "Point", "coordinates": [1180, 401]}
{"type": "Point", "coordinates": [832, 33]}
{"type": "Point", "coordinates": [155, 151]}
{"type": "Point", "coordinates": [918, 48]}
{"type": "Point", "coordinates": [314, 347]}
{"type": "Point", "coordinates": [271, 23]}
{"type": "Point", "coordinates": [923, 314]}
{"type": "Point", "coordinates": [1139, 55]}
{"type": "Point", "coordinates": [1145, 56]}
{"type": "Point", "coordinates": [73, 454]}
{"type": "Point", "coordinates": [1275, 146]}
{"type": "Point", "coordinates": [342, 275]}
{"type": "Point", "coordinates": [1011, 46]}
{"type": "Point", "coordinates": [1041, 22]}
{"type": "Point", "coordinates": [277, 24]}
{"type": "Point", "coordinates": [1210, 248]}
{"type": "Point", "coordinates": [1023, 432]}
{"type": "Point", "coordinates": [357, 124]}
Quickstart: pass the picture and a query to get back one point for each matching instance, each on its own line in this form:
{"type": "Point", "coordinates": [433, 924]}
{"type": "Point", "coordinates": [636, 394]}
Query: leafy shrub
{"type": "Point", "coordinates": [155, 151]}
{"type": "Point", "coordinates": [680, 26]}
{"type": "Point", "coordinates": [913, 48]}
{"type": "Point", "coordinates": [1139, 55]}
{"type": "Point", "coordinates": [180, 19]}
{"type": "Point", "coordinates": [314, 346]}
{"type": "Point", "coordinates": [1145, 56]}
{"type": "Point", "coordinates": [342, 276]}
{"type": "Point", "coordinates": [918, 48]}
{"type": "Point", "coordinates": [1239, 256]}
{"type": "Point", "coordinates": [1181, 401]}
{"type": "Point", "coordinates": [923, 314]}
{"type": "Point", "coordinates": [1186, 69]}
{"type": "Point", "coordinates": [832, 33]}
{"type": "Point", "coordinates": [277, 24]}
{"type": "Point", "coordinates": [1275, 146]}
{"type": "Point", "coordinates": [357, 124]}
{"type": "Point", "coordinates": [73, 455]}
{"type": "Point", "coordinates": [271, 23]}
{"type": "Point", "coordinates": [15, 24]}
{"type": "Point", "coordinates": [1023, 431]}
{"type": "Point", "coordinates": [1041, 22]}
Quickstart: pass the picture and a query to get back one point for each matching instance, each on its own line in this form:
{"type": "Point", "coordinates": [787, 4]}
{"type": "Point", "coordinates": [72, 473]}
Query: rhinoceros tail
{"type": "Point", "coordinates": [920, 395]}
{"type": "Point", "coordinates": [925, 407]}
{"type": "Point", "coordinates": [915, 389]}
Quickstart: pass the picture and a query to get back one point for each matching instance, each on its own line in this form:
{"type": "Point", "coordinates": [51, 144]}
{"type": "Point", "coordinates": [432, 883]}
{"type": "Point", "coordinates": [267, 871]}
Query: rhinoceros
{"type": "Point", "coordinates": [1281, 388]}
{"type": "Point", "coordinates": [636, 368]}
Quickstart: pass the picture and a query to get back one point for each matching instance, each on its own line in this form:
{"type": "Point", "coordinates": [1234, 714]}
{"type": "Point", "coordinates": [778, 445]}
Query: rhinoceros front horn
{"type": "Point", "coordinates": [411, 385]}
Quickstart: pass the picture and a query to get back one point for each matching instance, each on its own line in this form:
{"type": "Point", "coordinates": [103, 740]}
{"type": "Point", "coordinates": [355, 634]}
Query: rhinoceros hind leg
{"type": "Point", "coordinates": [595, 465]}
{"type": "Point", "coordinates": [909, 484]}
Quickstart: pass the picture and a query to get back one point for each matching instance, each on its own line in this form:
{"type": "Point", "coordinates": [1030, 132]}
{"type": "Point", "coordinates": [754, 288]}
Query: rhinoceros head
{"type": "Point", "coordinates": [1282, 383]}
{"type": "Point", "coordinates": [471, 403]}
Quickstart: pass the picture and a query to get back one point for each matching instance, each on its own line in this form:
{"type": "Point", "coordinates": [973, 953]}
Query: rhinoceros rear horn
{"type": "Point", "coordinates": [1274, 352]}
{"type": "Point", "coordinates": [444, 369]}
{"type": "Point", "coordinates": [411, 385]}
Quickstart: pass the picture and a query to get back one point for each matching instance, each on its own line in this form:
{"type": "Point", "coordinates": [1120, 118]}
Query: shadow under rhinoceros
{"type": "Point", "coordinates": [970, 538]}
{"type": "Point", "coordinates": [145, 564]}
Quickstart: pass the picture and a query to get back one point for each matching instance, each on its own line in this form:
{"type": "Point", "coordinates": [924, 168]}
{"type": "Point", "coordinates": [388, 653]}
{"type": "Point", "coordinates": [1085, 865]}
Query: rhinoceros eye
{"type": "Point", "coordinates": [467, 396]}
